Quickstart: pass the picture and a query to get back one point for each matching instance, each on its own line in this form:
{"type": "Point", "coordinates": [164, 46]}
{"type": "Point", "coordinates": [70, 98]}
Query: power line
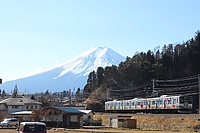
{"type": "Point", "coordinates": [179, 86]}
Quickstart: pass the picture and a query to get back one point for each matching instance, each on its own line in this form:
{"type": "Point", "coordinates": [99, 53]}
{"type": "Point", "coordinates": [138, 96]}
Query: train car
{"type": "Point", "coordinates": [162, 104]}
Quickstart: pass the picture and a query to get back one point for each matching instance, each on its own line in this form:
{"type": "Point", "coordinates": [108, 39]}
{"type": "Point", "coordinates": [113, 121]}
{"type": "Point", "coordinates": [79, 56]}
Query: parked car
{"type": "Point", "coordinates": [32, 127]}
{"type": "Point", "coordinates": [10, 122]}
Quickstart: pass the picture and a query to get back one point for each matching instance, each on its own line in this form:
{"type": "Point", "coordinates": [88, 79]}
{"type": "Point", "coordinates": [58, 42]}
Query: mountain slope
{"type": "Point", "coordinates": [68, 75]}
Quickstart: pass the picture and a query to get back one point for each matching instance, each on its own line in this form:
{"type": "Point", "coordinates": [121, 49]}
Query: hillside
{"type": "Point", "coordinates": [171, 70]}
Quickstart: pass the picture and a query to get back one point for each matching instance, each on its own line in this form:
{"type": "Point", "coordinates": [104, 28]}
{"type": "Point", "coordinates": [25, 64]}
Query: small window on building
{"type": "Point", "coordinates": [74, 118]}
{"type": "Point", "coordinates": [26, 106]}
{"type": "Point", "coordinates": [15, 107]}
{"type": "Point", "coordinates": [31, 106]}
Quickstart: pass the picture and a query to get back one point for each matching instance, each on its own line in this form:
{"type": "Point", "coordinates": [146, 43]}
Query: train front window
{"type": "Point", "coordinates": [184, 99]}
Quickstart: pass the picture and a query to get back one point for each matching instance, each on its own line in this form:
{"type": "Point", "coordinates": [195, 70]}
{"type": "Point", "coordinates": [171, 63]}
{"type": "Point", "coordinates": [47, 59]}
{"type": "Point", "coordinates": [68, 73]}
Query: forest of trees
{"type": "Point", "coordinates": [171, 62]}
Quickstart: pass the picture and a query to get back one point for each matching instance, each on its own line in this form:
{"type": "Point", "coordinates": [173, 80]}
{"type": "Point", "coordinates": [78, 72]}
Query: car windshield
{"type": "Point", "coordinates": [5, 120]}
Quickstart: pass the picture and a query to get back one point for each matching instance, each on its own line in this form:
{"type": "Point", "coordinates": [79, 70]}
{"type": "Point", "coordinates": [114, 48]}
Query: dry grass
{"type": "Point", "coordinates": [163, 122]}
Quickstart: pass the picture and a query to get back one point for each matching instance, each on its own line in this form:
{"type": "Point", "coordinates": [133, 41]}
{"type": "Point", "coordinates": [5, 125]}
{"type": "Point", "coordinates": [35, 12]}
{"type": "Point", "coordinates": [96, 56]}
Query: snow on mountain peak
{"type": "Point", "coordinates": [90, 60]}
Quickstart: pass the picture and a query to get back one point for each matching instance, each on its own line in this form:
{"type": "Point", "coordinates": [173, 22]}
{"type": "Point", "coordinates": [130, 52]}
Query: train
{"type": "Point", "coordinates": [162, 104]}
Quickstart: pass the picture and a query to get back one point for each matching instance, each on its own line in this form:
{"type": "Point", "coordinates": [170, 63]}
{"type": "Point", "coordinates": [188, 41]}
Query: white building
{"type": "Point", "coordinates": [17, 104]}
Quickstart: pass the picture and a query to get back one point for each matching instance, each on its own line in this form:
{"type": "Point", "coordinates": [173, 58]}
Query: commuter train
{"type": "Point", "coordinates": [162, 104]}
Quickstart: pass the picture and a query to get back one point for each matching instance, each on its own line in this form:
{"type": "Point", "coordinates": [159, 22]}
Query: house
{"type": "Point", "coordinates": [56, 116]}
{"type": "Point", "coordinates": [19, 103]}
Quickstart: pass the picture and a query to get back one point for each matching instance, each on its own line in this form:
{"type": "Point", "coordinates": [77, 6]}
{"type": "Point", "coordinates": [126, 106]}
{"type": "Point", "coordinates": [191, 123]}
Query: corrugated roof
{"type": "Point", "coordinates": [67, 110]}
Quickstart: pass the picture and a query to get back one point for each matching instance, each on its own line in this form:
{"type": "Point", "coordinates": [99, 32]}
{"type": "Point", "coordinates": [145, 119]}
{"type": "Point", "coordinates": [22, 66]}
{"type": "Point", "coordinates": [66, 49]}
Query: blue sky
{"type": "Point", "coordinates": [37, 34]}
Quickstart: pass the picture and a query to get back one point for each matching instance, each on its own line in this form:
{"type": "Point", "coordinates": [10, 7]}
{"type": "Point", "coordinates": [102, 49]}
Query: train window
{"type": "Point", "coordinates": [153, 102]}
{"type": "Point", "coordinates": [169, 101]}
{"type": "Point", "coordinates": [174, 101]}
{"type": "Point", "coordinates": [133, 104]}
{"type": "Point", "coordinates": [161, 102]}
{"type": "Point", "coordinates": [165, 101]}
{"type": "Point", "coordinates": [127, 104]}
{"type": "Point", "coordinates": [138, 103]}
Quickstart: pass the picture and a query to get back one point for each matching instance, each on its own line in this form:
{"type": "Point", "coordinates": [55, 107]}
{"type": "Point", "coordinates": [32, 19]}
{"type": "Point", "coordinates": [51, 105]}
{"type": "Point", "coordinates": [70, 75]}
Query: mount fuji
{"type": "Point", "coordinates": [68, 75]}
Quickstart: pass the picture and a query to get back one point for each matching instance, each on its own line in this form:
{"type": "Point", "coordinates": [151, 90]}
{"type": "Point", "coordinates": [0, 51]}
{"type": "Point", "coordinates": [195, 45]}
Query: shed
{"type": "Point", "coordinates": [122, 121]}
{"type": "Point", "coordinates": [55, 116]}
{"type": "Point", "coordinates": [130, 123]}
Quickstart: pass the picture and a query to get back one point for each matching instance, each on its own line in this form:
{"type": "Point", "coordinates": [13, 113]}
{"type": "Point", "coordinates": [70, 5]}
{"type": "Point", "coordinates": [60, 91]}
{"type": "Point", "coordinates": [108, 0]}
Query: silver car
{"type": "Point", "coordinates": [10, 122]}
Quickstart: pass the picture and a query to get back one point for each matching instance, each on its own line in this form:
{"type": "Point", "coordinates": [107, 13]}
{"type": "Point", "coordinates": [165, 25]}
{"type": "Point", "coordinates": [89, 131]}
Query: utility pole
{"type": "Point", "coordinates": [107, 94]}
{"type": "Point", "coordinates": [153, 87]}
{"type": "Point", "coordinates": [61, 98]}
{"type": "Point", "coordinates": [69, 97]}
{"type": "Point", "coordinates": [199, 94]}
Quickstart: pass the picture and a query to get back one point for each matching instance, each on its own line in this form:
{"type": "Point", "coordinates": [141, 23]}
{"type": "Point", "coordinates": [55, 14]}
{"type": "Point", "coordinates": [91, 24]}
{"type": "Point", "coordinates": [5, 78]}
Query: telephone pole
{"type": "Point", "coordinates": [199, 94]}
{"type": "Point", "coordinates": [153, 86]}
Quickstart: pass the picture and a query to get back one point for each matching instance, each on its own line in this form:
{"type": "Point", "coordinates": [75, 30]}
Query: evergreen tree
{"type": "Point", "coordinates": [32, 97]}
{"type": "Point", "coordinates": [3, 94]}
{"type": "Point", "coordinates": [15, 91]}
{"type": "Point", "coordinates": [100, 75]}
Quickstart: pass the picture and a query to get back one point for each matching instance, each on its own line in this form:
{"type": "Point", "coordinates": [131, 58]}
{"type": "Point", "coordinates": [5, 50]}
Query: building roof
{"type": "Point", "coordinates": [19, 101]}
{"type": "Point", "coordinates": [86, 111]}
{"type": "Point", "coordinates": [67, 110]}
{"type": "Point", "coordinates": [33, 123]}
{"type": "Point", "coordinates": [22, 113]}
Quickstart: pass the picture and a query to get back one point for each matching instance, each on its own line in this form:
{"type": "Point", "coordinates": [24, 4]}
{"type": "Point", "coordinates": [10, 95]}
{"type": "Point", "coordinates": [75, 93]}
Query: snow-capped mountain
{"type": "Point", "coordinates": [68, 75]}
